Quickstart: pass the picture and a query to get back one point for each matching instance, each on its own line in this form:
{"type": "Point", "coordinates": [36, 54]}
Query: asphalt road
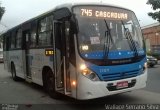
{"type": "Point", "coordinates": [153, 83]}
{"type": "Point", "coordinates": [32, 96]}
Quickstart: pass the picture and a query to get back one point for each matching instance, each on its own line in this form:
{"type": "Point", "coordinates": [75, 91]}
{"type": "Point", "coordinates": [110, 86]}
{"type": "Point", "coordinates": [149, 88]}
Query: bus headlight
{"type": "Point", "coordinates": [88, 73]}
{"type": "Point", "coordinates": [145, 67]}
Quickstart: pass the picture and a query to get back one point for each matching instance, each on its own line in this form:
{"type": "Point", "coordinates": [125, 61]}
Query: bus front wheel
{"type": "Point", "coordinates": [13, 72]}
{"type": "Point", "coordinates": [50, 85]}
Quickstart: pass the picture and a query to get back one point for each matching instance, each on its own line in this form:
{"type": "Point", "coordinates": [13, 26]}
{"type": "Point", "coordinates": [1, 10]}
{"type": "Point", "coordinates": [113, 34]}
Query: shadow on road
{"type": "Point", "coordinates": [118, 99]}
{"type": "Point", "coordinates": [94, 104]}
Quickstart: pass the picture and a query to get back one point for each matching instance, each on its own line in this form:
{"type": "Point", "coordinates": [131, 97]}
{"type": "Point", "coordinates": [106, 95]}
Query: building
{"type": "Point", "coordinates": [151, 34]}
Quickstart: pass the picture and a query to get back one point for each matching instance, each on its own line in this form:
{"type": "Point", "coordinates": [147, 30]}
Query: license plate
{"type": "Point", "coordinates": [123, 84]}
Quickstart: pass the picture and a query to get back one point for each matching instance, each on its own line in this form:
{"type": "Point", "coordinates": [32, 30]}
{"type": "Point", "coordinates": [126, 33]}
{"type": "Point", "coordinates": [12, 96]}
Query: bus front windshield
{"type": "Point", "coordinates": [107, 29]}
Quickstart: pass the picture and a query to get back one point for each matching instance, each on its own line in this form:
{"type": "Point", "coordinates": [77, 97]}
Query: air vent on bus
{"type": "Point", "coordinates": [121, 75]}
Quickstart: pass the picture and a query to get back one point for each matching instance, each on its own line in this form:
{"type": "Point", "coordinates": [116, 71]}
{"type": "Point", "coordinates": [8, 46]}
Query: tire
{"type": "Point", "coordinates": [151, 65]}
{"type": "Point", "coordinates": [13, 72]}
{"type": "Point", "coordinates": [50, 85]}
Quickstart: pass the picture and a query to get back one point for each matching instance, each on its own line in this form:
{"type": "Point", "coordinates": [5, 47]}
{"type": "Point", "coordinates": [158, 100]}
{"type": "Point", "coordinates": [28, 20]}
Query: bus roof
{"type": "Point", "coordinates": [69, 6]}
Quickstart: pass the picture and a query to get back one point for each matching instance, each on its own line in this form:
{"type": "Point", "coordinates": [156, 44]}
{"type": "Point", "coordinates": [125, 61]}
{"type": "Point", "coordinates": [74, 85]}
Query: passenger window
{"type": "Point", "coordinates": [13, 41]}
{"type": "Point", "coordinates": [33, 40]}
{"type": "Point", "coordinates": [19, 38]}
{"type": "Point", "coordinates": [45, 31]}
{"type": "Point", "coordinates": [6, 43]}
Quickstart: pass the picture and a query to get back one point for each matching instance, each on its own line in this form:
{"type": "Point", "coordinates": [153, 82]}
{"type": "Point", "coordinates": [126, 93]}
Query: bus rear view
{"type": "Point", "coordinates": [111, 49]}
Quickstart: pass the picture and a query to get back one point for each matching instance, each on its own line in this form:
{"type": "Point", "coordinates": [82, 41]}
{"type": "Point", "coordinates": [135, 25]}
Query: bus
{"type": "Point", "coordinates": [81, 50]}
{"type": "Point", "coordinates": [1, 52]}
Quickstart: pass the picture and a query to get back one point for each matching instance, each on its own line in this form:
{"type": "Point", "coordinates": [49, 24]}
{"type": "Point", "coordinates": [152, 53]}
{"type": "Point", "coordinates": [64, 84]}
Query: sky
{"type": "Point", "coordinates": [18, 11]}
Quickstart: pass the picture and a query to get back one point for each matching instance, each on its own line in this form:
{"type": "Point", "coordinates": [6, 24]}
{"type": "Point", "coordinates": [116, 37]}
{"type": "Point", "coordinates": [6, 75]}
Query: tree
{"type": "Point", "coordinates": [156, 6]}
{"type": "Point", "coordinates": [2, 10]}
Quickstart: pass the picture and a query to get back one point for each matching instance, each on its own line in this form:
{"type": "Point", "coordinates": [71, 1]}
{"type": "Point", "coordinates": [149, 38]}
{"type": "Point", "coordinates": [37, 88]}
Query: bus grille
{"type": "Point", "coordinates": [121, 75]}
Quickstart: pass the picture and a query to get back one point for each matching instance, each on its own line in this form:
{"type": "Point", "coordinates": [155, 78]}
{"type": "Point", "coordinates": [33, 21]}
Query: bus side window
{"type": "Point", "coordinates": [33, 39]}
{"type": "Point", "coordinates": [19, 38]}
{"type": "Point", "coordinates": [13, 41]}
{"type": "Point", "coordinates": [6, 42]}
{"type": "Point", "coordinates": [45, 31]}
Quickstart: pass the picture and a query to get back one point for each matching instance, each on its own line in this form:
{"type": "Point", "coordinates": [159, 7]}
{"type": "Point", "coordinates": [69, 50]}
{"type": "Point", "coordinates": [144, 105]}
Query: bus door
{"type": "Point", "coordinates": [26, 35]}
{"type": "Point", "coordinates": [61, 59]}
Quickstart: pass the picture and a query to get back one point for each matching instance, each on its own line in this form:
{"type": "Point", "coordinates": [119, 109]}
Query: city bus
{"type": "Point", "coordinates": [81, 50]}
{"type": "Point", "coordinates": [1, 53]}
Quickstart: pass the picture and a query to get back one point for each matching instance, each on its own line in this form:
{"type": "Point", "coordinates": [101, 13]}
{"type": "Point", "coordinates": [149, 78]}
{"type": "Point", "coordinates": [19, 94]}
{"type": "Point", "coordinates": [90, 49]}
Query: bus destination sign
{"type": "Point", "coordinates": [103, 14]}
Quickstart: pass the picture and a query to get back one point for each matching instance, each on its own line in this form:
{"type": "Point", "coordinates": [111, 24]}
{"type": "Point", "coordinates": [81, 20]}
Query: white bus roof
{"type": "Point", "coordinates": [69, 6]}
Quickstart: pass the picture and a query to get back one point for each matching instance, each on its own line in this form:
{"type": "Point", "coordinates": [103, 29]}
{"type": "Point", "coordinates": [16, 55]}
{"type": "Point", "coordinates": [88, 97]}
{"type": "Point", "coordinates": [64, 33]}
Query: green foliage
{"type": "Point", "coordinates": [2, 10]}
{"type": "Point", "coordinates": [156, 6]}
{"type": "Point", "coordinates": [149, 53]}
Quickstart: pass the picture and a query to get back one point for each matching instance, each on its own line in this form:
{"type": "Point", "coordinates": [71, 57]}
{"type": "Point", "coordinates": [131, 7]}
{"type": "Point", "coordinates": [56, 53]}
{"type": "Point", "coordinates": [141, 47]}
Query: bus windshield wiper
{"type": "Point", "coordinates": [108, 40]}
{"type": "Point", "coordinates": [131, 41]}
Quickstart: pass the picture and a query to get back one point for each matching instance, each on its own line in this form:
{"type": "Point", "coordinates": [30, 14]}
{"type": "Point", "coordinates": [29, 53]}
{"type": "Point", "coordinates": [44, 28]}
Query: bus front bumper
{"type": "Point", "coordinates": [87, 89]}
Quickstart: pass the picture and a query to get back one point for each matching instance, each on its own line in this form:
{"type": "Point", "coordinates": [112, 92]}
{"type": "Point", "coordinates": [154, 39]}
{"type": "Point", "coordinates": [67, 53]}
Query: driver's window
{"type": "Point", "coordinates": [130, 27]}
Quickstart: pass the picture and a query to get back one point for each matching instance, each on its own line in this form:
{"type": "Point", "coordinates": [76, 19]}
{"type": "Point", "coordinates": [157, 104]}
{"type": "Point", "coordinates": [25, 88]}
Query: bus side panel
{"type": "Point", "coordinates": [16, 57]}
{"type": "Point", "coordinates": [6, 60]}
{"type": "Point", "coordinates": [38, 60]}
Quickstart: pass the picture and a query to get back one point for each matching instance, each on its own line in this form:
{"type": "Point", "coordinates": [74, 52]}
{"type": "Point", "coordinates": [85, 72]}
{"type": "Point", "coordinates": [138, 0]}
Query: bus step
{"type": "Point", "coordinates": [68, 93]}
{"type": "Point", "coordinates": [29, 80]}
{"type": "Point", "coordinates": [62, 92]}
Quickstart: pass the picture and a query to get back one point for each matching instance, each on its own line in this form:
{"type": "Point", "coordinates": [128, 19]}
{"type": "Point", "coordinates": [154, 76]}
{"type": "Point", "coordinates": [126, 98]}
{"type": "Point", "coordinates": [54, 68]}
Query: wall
{"type": "Point", "coordinates": [152, 38]}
